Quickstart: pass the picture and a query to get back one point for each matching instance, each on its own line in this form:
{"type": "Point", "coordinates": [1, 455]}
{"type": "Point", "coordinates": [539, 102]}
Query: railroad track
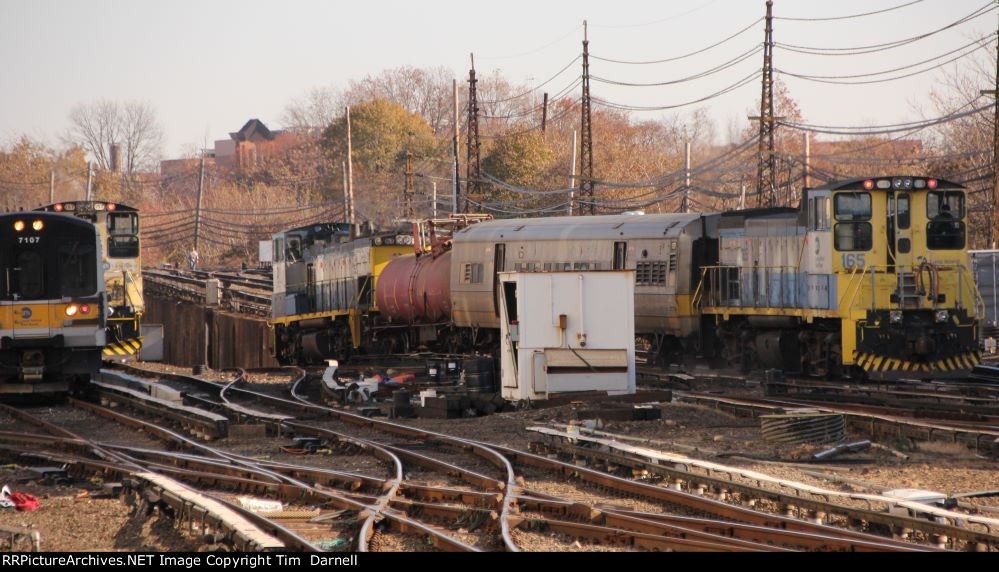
{"type": "Point", "coordinates": [468, 497]}
{"type": "Point", "coordinates": [980, 435]}
{"type": "Point", "coordinates": [301, 406]}
{"type": "Point", "coordinates": [246, 296]}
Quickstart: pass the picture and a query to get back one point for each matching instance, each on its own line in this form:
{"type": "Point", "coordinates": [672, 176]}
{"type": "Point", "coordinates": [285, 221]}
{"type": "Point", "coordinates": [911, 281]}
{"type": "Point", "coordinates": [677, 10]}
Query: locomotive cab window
{"type": "Point", "coordinates": [851, 233]}
{"type": "Point", "coordinates": [853, 236]}
{"type": "Point", "coordinates": [28, 280]}
{"type": "Point", "coordinates": [946, 230]}
{"type": "Point", "coordinates": [123, 223]}
{"type": "Point", "coordinates": [819, 218]}
{"type": "Point", "coordinates": [853, 206]}
{"type": "Point", "coordinates": [123, 235]}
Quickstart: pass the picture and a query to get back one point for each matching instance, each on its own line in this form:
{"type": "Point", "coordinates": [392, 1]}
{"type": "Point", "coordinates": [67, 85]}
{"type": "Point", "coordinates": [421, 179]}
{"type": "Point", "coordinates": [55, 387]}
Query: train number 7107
{"type": "Point", "coordinates": [28, 239]}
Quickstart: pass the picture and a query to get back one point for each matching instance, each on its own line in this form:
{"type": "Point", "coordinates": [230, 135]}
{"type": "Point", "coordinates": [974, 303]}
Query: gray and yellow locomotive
{"type": "Point", "coordinates": [867, 276]}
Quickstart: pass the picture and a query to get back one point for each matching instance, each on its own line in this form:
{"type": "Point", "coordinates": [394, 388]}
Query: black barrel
{"type": "Point", "coordinates": [401, 397]}
{"type": "Point", "coordinates": [480, 374]}
{"type": "Point", "coordinates": [774, 383]}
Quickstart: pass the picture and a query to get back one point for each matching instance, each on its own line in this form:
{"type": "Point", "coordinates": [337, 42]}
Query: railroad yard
{"type": "Point", "coordinates": [601, 309]}
{"type": "Point", "coordinates": [154, 457]}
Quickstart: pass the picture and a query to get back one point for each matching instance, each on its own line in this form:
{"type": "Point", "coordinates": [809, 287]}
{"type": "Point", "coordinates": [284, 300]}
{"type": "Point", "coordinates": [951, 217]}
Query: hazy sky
{"type": "Point", "coordinates": [208, 66]}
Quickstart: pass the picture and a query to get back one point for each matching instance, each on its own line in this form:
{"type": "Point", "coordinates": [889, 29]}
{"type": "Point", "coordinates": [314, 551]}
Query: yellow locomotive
{"type": "Point", "coordinates": [867, 276]}
{"type": "Point", "coordinates": [118, 226]}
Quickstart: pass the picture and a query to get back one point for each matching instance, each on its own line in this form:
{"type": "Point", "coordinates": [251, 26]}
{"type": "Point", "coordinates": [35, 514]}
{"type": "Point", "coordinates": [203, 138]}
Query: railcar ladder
{"type": "Point", "coordinates": [907, 290]}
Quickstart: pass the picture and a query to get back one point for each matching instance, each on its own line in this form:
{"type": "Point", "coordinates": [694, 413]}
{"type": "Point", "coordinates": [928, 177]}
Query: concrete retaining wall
{"type": "Point", "coordinates": [234, 340]}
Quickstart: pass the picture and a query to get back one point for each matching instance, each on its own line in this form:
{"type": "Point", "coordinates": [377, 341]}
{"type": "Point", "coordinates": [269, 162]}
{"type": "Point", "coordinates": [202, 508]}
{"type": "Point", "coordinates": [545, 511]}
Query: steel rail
{"type": "Point", "coordinates": [440, 539]}
{"type": "Point", "coordinates": [920, 430]}
{"type": "Point", "coordinates": [740, 514]}
{"type": "Point", "coordinates": [479, 449]}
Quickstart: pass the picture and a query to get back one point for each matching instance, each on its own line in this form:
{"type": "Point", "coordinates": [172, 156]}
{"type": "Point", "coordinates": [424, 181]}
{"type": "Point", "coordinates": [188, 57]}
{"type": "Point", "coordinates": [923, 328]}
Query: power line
{"type": "Point", "coordinates": [851, 16]}
{"type": "Point", "coordinates": [742, 82]}
{"type": "Point", "coordinates": [874, 48]}
{"type": "Point", "coordinates": [684, 56]}
{"type": "Point", "coordinates": [533, 110]}
{"type": "Point", "coordinates": [707, 73]}
{"type": "Point", "coordinates": [881, 129]}
{"type": "Point", "coordinates": [535, 88]}
{"type": "Point", "coordinates": [975, 46]}
{"type": "Point", "coordinates": [654, 22]}
{"type": "Point", "coordinates": [535, 50]}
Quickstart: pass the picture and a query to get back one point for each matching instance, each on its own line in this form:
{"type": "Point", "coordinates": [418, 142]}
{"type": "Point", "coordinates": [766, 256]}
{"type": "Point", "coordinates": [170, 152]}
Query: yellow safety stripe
{"type": "Point", "coordinates": [122, 348]}
{"type": "Point", "coordinates": [883, 364]}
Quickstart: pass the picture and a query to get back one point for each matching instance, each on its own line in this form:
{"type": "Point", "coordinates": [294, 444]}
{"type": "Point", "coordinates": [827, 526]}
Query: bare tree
{"type": "Point", "coordinates": [99, 126]}
{"type": "Point", "coordinates": [315, 110]}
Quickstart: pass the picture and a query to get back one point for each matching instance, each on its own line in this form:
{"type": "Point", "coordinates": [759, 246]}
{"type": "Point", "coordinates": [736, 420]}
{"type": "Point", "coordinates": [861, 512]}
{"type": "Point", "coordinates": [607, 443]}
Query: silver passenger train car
{"type": "Point", "coordinates": [667, 252]}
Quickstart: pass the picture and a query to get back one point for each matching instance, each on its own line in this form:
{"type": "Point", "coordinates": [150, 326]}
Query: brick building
{"type": "Point", "coordinates": [250, 147]}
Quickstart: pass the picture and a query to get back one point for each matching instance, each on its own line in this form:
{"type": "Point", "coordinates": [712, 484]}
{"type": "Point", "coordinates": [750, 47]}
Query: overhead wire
{"type": "Point", "coordinates": [681, 57]}
{"type": "Point", "coordinates": [746, 80]}
{"type": "Point", "coordinates": [700, 75]}
{"type": "Point", "coordinates": [885, 46]}
{"type": "Point", "coordinates": [849, 17]}
{"type": "Point", "coordinates": [974, 46]}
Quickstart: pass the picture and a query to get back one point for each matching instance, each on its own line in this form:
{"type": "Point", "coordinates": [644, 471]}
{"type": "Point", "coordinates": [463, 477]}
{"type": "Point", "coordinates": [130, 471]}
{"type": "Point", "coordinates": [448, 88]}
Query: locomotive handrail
{"type": "Point", "coordinates": [967, 275]}
{"type": "Point", "coordinates": [762, 293]}
{"type": "Point", "coordinates": [850, 285]}
{"type": "Point", "coordinates": [962, 273]}
{"type": "Point", "coordinates": [696, 301]}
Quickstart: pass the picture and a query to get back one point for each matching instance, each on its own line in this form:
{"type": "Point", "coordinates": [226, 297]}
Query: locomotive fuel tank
{"type": "Point", "coordinates": [416, 289]}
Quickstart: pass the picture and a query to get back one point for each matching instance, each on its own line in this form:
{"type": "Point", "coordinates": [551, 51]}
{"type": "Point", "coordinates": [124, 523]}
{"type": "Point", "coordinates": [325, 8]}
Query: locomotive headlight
{"type": "Point", "coordinates": [85, 309]}
{"type": "Point", "coordinates": [404, 239]}
{"type": "Point", "coordinates": [942, 316]}
{"type": "Point", "coordinates": [378, 241]}
{"type": "Point", "coordinates": [389, 241]}
{"type": "Point", "coordinates": [71, 310]}
{"type": "Point", "coordinates": [895, 316]}
{"type": "Point", "coordinates": [38, 225]}
{"type": "Point", "coordinates": [19, 225]}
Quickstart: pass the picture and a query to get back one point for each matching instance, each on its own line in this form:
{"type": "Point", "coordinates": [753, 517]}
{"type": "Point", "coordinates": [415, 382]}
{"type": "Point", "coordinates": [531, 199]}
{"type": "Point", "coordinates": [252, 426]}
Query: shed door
{"type": "Point", "coordinates": [499, 265]}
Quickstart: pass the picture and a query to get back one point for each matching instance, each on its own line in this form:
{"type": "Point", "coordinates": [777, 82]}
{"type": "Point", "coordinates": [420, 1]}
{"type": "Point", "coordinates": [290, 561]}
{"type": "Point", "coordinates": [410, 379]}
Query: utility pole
{"type": "Point", "coordinates": [346, 201]}
{"type": "Point", "coordinates": [197, 208]}
{"type": "Point", "coordinates": [994, 207]}
{"type": "Point", "coordinates": [544, 114]}
{"type": "Point", "coordinates": [51, 187]}
{"type": "Point", "coordinates": [90, 180]}
{"type": "Point", "coordinates": [586, 132]}
{"type": "Point", "coordinates": [455, 189]}
{"type": "Point", "coordinates": [572, 172]}
{"type": "Point", "coordinates": [350, 178]}
{"type": "Point", "coordinates": [685, 203]}
{"type": "Point", "coordinates": [433, 199]}
{"type": "Point", "coordinates": [807, 175]}
{"type": "Point", "coordinates": [766, 174]}
{"type": "Point", "coordinates": [408, 191]}
{"type": "Point", "coordinates": [474, 169]}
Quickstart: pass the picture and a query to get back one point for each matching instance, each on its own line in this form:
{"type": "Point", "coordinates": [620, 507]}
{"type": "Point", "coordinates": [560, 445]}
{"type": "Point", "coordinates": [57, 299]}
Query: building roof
{"type": "Point", "coordinates": [254, 127]}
